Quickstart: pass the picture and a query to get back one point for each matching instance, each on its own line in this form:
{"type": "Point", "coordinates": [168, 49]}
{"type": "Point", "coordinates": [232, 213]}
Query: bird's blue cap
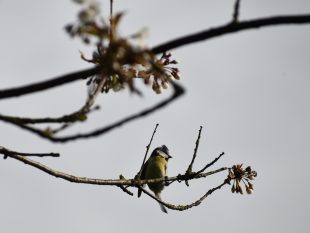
{"type": "Point", "coordinates": [165, 149]}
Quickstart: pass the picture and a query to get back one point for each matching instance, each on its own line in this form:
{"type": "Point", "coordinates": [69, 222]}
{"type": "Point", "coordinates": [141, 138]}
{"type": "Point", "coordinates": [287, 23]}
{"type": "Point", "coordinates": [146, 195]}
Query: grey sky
{"type": "Point", "coordinates": [249, 90]}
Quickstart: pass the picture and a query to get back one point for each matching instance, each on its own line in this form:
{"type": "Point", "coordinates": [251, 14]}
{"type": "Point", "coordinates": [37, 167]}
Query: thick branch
{"type": "Point", "coordinates": [175, 43]}
{"type": "Point", "coordinates": [44, 85]}
{"type": "Point", "coordinates": [231, 28]}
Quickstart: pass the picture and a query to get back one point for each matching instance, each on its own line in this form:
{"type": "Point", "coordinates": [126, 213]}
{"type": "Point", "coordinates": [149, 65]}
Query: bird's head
{"type": "Point", "coordinates": [162, 151]}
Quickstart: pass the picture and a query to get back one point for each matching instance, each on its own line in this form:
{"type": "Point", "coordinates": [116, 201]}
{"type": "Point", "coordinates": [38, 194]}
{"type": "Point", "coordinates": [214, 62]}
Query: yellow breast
{"type": "Point", "coordinates": [156, 169]}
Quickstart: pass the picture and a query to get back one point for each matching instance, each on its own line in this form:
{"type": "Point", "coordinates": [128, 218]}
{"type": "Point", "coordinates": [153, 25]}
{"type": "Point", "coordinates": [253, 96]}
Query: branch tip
{"type": "Point", "coordinates": [147, 150]}
{"type": "Point", "coordinates": [236, 11]}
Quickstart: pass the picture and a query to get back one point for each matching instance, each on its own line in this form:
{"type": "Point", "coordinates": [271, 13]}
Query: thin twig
{"type": "Point", "coordinates": [86, 108]}
{"type": "Point", "coordinates": [69, 118]}
{"type": "Point", "coordinates": [111, 21]}
{"type": "Point", "coordinates": [91, 99]}
{"type": "Point", "coordinates": [178, 91]}
{"type": "Point", "coordinates": [147, 150]}
{"type": "Point", "coordinates": [61, 128]}
{"type": "Point", "coordinates": [31, 129]}
{"type": "Point", "coordinates": [236, 11]}
{"type": "Point", "coordinates": [190, 167]}
{"type": "Point", "coordinates": [124, 188]}
{"type": "Point", "coordinates": [190, 175]}
{"type": "Point", "coordinates": [195, 151]}
{"type": "Point", "coordinates": [8, 153]}
{"type": "Point", "coordinates": [210, 164]}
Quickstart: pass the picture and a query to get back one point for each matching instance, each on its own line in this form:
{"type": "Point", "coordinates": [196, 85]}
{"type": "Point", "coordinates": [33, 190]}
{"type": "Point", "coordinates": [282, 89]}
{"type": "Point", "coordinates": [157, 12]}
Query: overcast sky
{"type": "Point", "coordinates": [250, 91]}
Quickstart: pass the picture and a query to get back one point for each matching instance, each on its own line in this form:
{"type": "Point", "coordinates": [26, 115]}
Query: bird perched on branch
{"type": "Point", "coordinates": [156, 167]}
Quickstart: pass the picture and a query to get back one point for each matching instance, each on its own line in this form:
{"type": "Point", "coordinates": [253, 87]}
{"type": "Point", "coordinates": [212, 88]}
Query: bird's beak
{"type": "Point", "coordinates": [169, 156]}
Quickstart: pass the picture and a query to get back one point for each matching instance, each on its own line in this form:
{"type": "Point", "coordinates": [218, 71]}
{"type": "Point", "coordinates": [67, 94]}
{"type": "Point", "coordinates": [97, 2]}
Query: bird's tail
{"type": "Point", "coordinates": [140, 191]}
{"type": "Point", "coordinates": [162, 207]}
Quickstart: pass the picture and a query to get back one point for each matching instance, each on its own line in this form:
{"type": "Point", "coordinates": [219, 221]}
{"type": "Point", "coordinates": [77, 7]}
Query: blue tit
{"type": "Point", "coordinates": [156, 167]}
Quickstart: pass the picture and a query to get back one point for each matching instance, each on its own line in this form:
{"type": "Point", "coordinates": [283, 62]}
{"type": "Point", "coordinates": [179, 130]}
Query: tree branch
{"type": "Point", "coordinates": [172, 44]}
{"type": "Point", "coordinates": [117, 182]}
{"type": "Point", "coordinates": [110, 182]}
{"type": "Point", "coordinates": [236, 173]}
{"type": "Point", "coordinates": [147, 150]}
{"type": "Point", "coordinates": [236, 11]}
{"type": "Point", "coordinates": [177, 92]}
{"type": "Point", "coordinates": [231, 28]}
{"type": "Point", "coordinates": [44, 85]}
{"type": "Point", "coordinates": [190, 167]}
{"type": "Point", "coordinates": [184, 207]}
{"type": "Point", "coordinates": [9, 153]}
{"type": "Point", "coordinates": [125, 182]}
{"type": "Point", "coordinates": [210, 164]}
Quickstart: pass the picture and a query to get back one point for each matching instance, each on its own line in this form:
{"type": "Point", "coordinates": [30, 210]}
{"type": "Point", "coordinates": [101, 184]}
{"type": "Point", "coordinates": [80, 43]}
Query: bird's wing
{"type": "Point", "coordinates": [142, 177]}
{"type": "Point", "coordinates": [143, 173]}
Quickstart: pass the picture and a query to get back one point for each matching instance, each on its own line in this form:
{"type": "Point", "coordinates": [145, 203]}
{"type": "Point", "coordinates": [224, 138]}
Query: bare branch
{"type": "Point", "coordinates": [237, 174]}
{"type": "Point", "coordinates": [172, 44]}
{"type": "Point", "coordinates": [44, 85]}
{"type": "Point", "coordinates": [79, 115]}
{"type": "Point", "coordinates": [190, 167]}
{"type": "Point", "coordinates": [8, 153]}
{"type": "Point", "coordinates": [110, 182]}
{"type": "Point", "coordinates": [111, 20]}
{"type": "Point", "coordinates": [210, 164]}
{"type": "Point", "coordinates": [236, 11]}
{"type": "Point", "coordinates": [123, 188]}
{"type": "Point", "coordinates": [67, 119]}
{"type": "Point", "coordinates": [177, 92]}
{"type": "Point", "coordinates": [31, 129]}
{"type": "Point", "coordinates": [61, 128]}
{"type": "Point", "coordinates": [185, 207]}
{"type": "Point", "coordinates": [231, 28]}
{"type": "Point", "coordinates": [147, 150]}
{"type": "Point", "coordinates": [189, 174]}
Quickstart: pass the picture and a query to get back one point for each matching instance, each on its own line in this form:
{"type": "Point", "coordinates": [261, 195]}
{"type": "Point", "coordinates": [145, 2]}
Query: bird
{"type": "Point", "coordinates": [156, 167]}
